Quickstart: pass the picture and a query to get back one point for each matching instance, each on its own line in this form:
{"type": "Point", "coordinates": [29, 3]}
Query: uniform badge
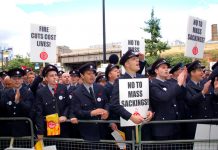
{"type": "Point", "coordinates": [10, 103]}
{"type": "Point", "coordinates": [60, 97]}
{"type": "Point", "coordinates": [99, 99]}
{"type": "Point", "coordinates": [165, 89]}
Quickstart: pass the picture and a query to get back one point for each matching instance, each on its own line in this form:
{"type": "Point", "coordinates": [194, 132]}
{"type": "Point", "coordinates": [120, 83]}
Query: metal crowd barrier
{"type": "Point", "coordinates": [197, 144]}
{"type": "Point", "coordinates": [80, 144]}
{"type": "Point", "coordinates": [23, 142]}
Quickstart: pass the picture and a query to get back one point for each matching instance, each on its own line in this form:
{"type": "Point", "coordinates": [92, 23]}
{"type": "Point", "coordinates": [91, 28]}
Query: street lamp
{"type": "Point", "coordinates": [2, 54]}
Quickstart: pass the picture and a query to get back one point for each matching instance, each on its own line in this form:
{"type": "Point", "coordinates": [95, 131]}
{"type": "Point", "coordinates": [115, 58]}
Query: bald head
{"type": "Point", "coordinates": [65, 78]}
{"type": "Point", "coordinates": [7, 82]}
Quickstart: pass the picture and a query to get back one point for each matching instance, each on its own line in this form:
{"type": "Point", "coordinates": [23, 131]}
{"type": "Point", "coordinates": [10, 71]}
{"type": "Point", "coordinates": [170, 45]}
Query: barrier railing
{"type": "Point", "coordinates": [72, 143]}
{"type": "Point", "coordinates": [186, 144]}
{"type": "Point", "coordinates": [27, 141]}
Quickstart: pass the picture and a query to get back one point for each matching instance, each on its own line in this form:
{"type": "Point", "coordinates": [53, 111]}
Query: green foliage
{"type": "Point", "coordinates": [173, 60]}
{"type": "Point", "coordinates": [213, 54]}
{"type": "Point", "coordinates": [153, 46]}
{"type": "Point", "coordinates": [19, 61]}
{"type": "Point", "coordinates": [151, 59]}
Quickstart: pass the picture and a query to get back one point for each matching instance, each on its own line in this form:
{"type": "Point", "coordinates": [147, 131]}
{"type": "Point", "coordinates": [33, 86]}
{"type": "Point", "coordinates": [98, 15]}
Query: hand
{"type": "Point", "coordinates": [182, 77]}
{"type": "Point", "coordinates": [62, 119]}
{"type": "Point", "coordinates": [113, 126]}
{"type": "Point", "coordinates": [96, 112]}
{"type": "Point", "coordinates": [141, 57]}
{"type": "Point", "coordinates": [206, 87]}
{"type": "Point", "coordinates": [74, 120]}
{"type": "Point", "coordinates": [216, 85]}
{"type": "Point", "coordinates": [137, 119]}
{"type": "Point", "coordinates": [39, 137]}
{"type": "Point", "coordinates": [104, 115]}
{"type": "Point", "coordinates": [149, 116]}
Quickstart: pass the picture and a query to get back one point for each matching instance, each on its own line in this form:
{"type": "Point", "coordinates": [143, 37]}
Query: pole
{"type": "Point", "coordinates": [104, 33]}
{"type": "Point", "coordinates": [137, 133]}
{"type": "Point", "coordinates": [2, 59]}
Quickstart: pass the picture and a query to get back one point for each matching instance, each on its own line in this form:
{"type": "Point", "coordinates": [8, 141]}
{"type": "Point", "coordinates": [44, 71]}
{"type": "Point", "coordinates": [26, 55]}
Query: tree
{"type": "Point", "coordinates": [176, 58]}
{"type": "Point", "coordinates": [19, 61]}
{"type": "Point", "coordinates": [153, 46]}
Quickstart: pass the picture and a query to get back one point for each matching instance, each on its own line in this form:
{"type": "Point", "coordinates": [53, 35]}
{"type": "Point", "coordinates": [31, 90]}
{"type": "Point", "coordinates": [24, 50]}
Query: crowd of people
{"type": "Point", "coordinates": [182, 91]}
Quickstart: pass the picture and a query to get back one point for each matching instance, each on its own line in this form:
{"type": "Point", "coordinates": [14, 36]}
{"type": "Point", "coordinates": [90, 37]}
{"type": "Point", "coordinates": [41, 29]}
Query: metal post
{"type": "Point", "coordinates": [133, 139]}
{"type": "Point", "coordinates": [104, 33]}
{"type": "Point", "coordinates": [2, 59]}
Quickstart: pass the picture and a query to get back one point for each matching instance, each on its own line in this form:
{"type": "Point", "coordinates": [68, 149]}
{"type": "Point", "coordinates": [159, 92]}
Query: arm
{"type": "Point", "coordinates": [193, 99]}
{"type": "Point", "coordinates": [26, 101]}
{"type": "Point", "coordinates": [39, 119]}
{"type": "Point", "coordinates": [35, 84]}
{"type": "Point", "coordinates": [115, 104]}
{"type": "Point", "coordinates": [161, 95]}
{"type": "Point", "coordinates": [76, 108]}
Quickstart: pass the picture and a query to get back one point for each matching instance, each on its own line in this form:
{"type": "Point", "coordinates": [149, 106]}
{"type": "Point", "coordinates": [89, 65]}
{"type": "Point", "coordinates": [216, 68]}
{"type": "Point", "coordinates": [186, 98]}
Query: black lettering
{"type": "Point", "coordinates": [136, 42]}
{"type": "Point", "coordinates": [196, 38]}
{"type": "Point", "coordinates": [43, 44]}
{"type": "Point", "coordinates": [130, 42]}
{"type": "Point", "coordinates": [140, 93]}
{"type": "Point", "coordinates": [133, 103]}
{"type": "Point", "coordinates": [36, 36]}
{"type": "Point", "coordinates": [200, 23]}
{"type": "Point", "coordinates": [195, 22]}
{"type": "Point", "coordinates": [139, 84]}
{"type": "Point", "coordinates": [43, 29]}
{"type": "Point", "coordinates": [196, 30]}
{"type": "Point", "coordinates": [50, 37]}
{"type": "Point", "coordinates": [122, 103]}
{"type": "Point", "coordinates": [131, 85]}
{"type": "Point", "coordinates": [132, 94]}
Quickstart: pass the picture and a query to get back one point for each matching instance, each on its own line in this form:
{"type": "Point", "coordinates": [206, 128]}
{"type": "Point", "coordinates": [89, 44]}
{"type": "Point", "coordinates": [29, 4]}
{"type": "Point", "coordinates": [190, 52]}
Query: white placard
{"type": "Point", "coordinates": [119, 138]}
{"type": "Point", "coordinates": [43, 43]}
{"type": "Point", "coordinates": [206, 132]}
{"type": "Point", "coordinates": [137, 46]}
{"type": "Point", "coordinates": [133, 44]}
{"type": "Point", "coordinates": [195, 38]}
{"type": "Point", "coordinates": [134, 97]}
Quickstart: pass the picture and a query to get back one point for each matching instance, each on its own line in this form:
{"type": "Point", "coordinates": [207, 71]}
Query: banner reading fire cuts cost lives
{"type": "Point", "coordinates": [134, 97]}
{"type": "Point", "coordinates": [43, 43]}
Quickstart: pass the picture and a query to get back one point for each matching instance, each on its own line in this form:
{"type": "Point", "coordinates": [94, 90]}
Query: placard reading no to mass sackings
{"type": "Point", "coordinates": [195, 38]}
{"type": "Point", "coordinates": [134, 97]}
{"type": "Point", "coordinates": [43, 43]}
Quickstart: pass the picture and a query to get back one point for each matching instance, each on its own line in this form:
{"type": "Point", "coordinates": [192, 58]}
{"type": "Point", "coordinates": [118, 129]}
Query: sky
{"type": "Point", "coordinates": [79, 22]}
